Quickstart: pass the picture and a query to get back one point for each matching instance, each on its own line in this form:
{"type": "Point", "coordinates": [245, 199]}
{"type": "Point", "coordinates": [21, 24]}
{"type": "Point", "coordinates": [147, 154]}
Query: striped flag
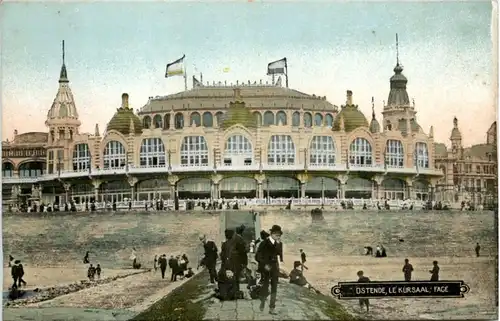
{"type": "Point", "coordinates": [277, 67]}
{"type": "Point", "coordinates": [175, 68]}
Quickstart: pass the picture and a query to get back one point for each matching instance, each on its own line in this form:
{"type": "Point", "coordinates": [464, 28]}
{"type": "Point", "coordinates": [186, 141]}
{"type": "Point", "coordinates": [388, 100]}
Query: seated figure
{"type": "Point", "coordinates": [296, 276]}
{"type": "Point", "coordinates": [226, 290]}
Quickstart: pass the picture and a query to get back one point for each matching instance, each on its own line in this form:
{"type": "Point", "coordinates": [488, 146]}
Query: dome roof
{"type": "Point", "coordinates": [124, 118]}
{"type": "Point", "coordinates": [353, 118]}
{"type": "Point", "coordinates": [374, 126]}
{"type": "Point", "coordinates": [239, 114]}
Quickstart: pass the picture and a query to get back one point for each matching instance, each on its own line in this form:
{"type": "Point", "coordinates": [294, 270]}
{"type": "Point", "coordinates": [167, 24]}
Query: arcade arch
{"type": "Point", "coordinates": [280, 186]}
{"type": "Point", "coordinates": [114, 191]}
{"type": "Point", "coordinates": [31, 168]}
{"type": "Point", "coordinates": [321, 187]}
{"type": "Point", "coordinates": [152, 189]}
{"type": "Point", "coordinates": [7, 169]}
{"type": "Point", "coordinates": [394, 189]}
{"type": "Point", "coordinates": [358, 188]}
{"type": "Point", "coordinates": [194, 188]}
{"type": "Point", "coordinates": [239, 187]}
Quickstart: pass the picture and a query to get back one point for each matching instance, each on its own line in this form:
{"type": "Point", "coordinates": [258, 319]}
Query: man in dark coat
{"type": "Point", "coordinates": [226, 248]}
{"type": "Point", "coordinates": [14, 271]}
{"type": "Point", "coordinates": [162, 262]}
{"type": "Point", "coordinates": [210, 257]}
{"type": "Point", "coordinates": [239, 256]}
{"type": "Point", "coordinates": [267, 258]}
{"type": "Point", "coordinates": [174, 266]}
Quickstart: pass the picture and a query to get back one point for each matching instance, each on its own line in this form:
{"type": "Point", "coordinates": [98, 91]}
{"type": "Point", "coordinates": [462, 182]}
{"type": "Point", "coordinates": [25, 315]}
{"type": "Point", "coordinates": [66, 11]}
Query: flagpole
{"type": "Point", "coordinates": [185, 80]}
{"type": "Point", "coordinates": [286, 73]}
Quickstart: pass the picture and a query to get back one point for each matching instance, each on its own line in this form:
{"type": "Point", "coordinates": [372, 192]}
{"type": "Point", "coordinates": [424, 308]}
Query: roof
{"type": "Point", "coordinates": [30, 138]}
{"type": "Point", "coordinates": [219, 96]}
{"type": "Point", "coordinates": [352, 117]}
{"type": "Point", "coordinates": [374, 126]}
{"type": "Point", "coordinates": [480, 151]}
{"type": "Point", "coordinates": [440, 149]}
{"type": "Point", "coordinates": [121, 121]}
{"type": "Point", "coordinates": [239, 114]}
{"type": "Point", "coordinates": [64, 103]}
{"type": "Point", "coordinates": [398, 96]}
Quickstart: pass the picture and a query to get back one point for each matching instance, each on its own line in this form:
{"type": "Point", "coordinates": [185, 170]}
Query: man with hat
{"type": "Point", "coordinates": [267, 257]}
{"type": "Point", "coordinates": [210, 257]}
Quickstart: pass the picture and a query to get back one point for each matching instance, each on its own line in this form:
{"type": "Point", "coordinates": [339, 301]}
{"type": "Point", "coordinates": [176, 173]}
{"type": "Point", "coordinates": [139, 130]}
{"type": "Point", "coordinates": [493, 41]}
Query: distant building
{"type": "Point", "coordinates": [470, 173]}
{"type": "Point", "coordinates": [212, 141]}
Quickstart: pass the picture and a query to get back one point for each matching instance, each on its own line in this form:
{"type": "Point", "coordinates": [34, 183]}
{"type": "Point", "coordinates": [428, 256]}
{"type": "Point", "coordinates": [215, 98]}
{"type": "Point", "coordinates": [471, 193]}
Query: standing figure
{"type": "Point", "coordinates": [162, 262]}
{"type": "Point", "coordinates": [86, 258]}
{"type": "Point", "coordinates": [407, 270]}
{"type": "Point", "coordinates": [435, 271]}
{"type": "Point", "coordinates": [20, 270]}
{"type": "Point", "coordinates": [303, 260]}
{"type": "Point", "coordinates": [267, 258]}
{"type": "Point", "coordinates": [154, 263]}
{"type": "Point", "coordinates": [98, 271]}
{"type": "Point", "coordinates": [175, 268]}
{"type": "Point", "coordinates": [478, 248]}
{"type": "Point", "coordinates": [366, 302]}
{"type": "Point", "coordinates": [91, 272]}
{"type": "Point", "coordinates": [14, 271]}
{"type": "Point", "coordinates": [11, 260]}
{"type": "Point", "coordinates": [210, 257]}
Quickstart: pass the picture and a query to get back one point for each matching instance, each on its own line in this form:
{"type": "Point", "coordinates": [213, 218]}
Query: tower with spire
{"type": "Point", "coordinates": [398, 113]}
{"type": "Point", "coordinates": [63, 123]}
{"type": "Point", "coordinates": [456, 137]}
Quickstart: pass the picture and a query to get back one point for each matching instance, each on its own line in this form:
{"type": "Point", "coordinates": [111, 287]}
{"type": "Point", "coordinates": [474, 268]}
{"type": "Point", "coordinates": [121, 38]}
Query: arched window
{"type": "Point", "coordinates": [194, 151]}
{"type": "Point", "coordinates": [394, 154]}
{"type": "Point", "coordinates": [258, 116]}
{"type": "Point", "coordinates": [329, 120]}
{"type": "Point", "coordinates": [152, 152]}
{"type": "Point", "coordinates": [220, 118]}
{"type": "Point", "coordinates": [281, 150]}
{"type": "Point", "coordinates": [421, 157]}
{"type": "Point", "coordinates": [166, 121]}
{"type": "Point", "coordinates": [208, 119]}
{"type": "Point", "coordinates": [296, 119]}
{"type": "Point", "coordinates": [196, 119]}
{"type": "Point", "coordinates": [114, 155]}
{"type": "Point", "coordinates": [7, 169]}
{"type": "Point", "coordinates": [146, 122]}
{"type": "Point", "coordinates": [238, 151]}
{"type": "Point", "coordinates": [179, 121]}
{"type": "Point", "coordinates": [318, 120]}
{"type": "Point", "coordinates": [322, 151]}
{"type": "Point", "coordinates": [281, 117]}
{"type": "Point", "coordinates": [360, 152]}
{"type": "Point", "coordinates": [157, 121]}
{"type": "Point", "coordinates": [268, 118]}
{"type": "Point", "coordinates": [81, 157]}
{"type": "Point", "coordinates": [388, 125]}
{"type": "Point", "coordinates": [307, 120]}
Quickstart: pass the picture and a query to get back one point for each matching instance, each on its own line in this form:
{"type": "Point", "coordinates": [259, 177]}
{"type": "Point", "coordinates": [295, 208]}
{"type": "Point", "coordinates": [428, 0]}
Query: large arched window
{"type": "Point", "coordinates": [220, 118]}
{"type": "Point", "coordinates": [281, 118]}
{"type": "Point", "coordinates": [281, 150]}
{"type": "Point", "coordinates": [166, 121]}
{"type": "Point", "coordinates": [179, 121]}
{"type": "Point", "coordinates": [268, 118]}
{"type": "Point", "coordinates": [421, 157]}
{"type": "Point", "coordinates": [7, 169]}
{"type": "Point", "coordinates": [194, 151]}
{"type": "Point", "coordinates": [195, 119]}
{"type": "Point", "coordinates": [322, 151]}
{"type": "Point", "coordinates": [238, 151]}
{"type": "Point", "coordinates": [329, 120]}
{"type": "Point", "coordinates": [318, 120]}
{"type": "Point", "coordinates": [114, 155]}
{"type": "Point", "coordinates": [258, 117]}
{"type": "Point", "coordinates": [208, 119]}
{"type": "Point", "coordinates": [307, 120]}
{"type": "Point", "coordinates": [146, 122]}
{"type": "Point", "coordinates": [296, 119]}
{"type": "Point", "coordinates": [81, 157]}
{"type": "Point", "coordinates": [394, 154]}
{"type": "Point", "coordinates": [360, 152]}
{"type": "Point", "coordinates": [152, 152]}
{"type": "Point", "coordinates": [157, 121]}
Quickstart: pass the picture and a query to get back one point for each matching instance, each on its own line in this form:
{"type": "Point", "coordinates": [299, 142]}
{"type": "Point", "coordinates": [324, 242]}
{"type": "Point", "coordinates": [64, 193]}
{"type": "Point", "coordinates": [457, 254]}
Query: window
{"type": "Point", "coordinates": [208, 119]}
{"type": "Point", "coordinates": [220, 118]}
{"type": "Point", "coordinates": [281, 118]}
{"type": "Point", "coordinates": [329, 120]}
{"type": "Point", "coordinates": [258, 117]}
{"type": "Point", "coordinates": [281, 150]}
{"type": "Point", "coordinates": [307, 120]}
{"type": "Point", "coordinates": [478, 169]}
{"type": "Point", "coordinates": [268, 118]}
{"type": "Point", "coordinates": [179, 121]}
{"type": "Point", "coordinates": [394, 154]}
{"type": "Point", "coordinates": [146, 122]}
{"type": "Point", "coordinates": [114, 155]}
{"type": "Point", "coordinates": [318, 120]}
{"type": "Point", "coordinates": [360, 152]}
{"type": "Point", "coordinates": [296, 119]}
{"type": "Point", "coordinates": [195, 119]}
{"type": "Point", "coordinates": [421, 157]}
{"type": "Point", "coordinates": [239, 149]}
{"type": "Point", "coordinates": [322, 151]}
{"type": "Point", "coordinates": [81, 157]}
{"type": "Point", "coordinates": [194, 151]}
{"type": "Point", "coordinates": [166, 121]}
{"type": "Point", "coordinates": [158, 121]}
{"type": "Point", "coordinates": [152, 152]}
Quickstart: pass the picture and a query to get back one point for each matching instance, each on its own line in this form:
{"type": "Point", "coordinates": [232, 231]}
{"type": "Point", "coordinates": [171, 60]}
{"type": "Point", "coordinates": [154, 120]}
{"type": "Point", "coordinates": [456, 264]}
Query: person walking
{"type": "Point", "coordinates": [407, 270]}
{"type": "Point", "coordinates": [363, 302]}
{"type": "Point", "coordinates": [210, 257]}
{"type": "Point", "coordinates": [434, 272]}
{"type": "Point", "coordinates": [162, 262]}
{"type": "Point", "coordinates": [478, 248]}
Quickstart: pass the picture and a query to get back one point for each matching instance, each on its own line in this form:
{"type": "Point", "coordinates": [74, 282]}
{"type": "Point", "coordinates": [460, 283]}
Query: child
{"type": "Point", "coordinates": [98, 271]}
{"type": "Point", "coordinates": [91, 272]}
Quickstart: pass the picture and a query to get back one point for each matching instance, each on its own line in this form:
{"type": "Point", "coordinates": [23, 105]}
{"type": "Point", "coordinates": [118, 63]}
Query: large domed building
{"type": "Point", "coordinates": [219, 140]}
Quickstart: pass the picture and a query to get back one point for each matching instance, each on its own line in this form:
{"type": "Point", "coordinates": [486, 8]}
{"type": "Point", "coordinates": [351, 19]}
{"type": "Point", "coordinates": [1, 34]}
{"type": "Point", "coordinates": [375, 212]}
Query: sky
{"type": "Point", "coordinates": [112, 48]}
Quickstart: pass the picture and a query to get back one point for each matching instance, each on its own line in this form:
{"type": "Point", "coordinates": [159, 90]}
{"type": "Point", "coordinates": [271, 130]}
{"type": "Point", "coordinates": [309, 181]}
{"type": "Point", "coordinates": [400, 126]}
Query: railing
{"type": "Point", "coordinates": [206, 168]}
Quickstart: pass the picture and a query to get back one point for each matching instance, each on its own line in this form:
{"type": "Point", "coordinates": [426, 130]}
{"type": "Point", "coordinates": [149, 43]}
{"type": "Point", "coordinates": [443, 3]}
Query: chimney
{"type": "Point", "coordinates": [15, 132]}
{"type": "Point", "coordinates": [237, 93]}
{"type": "Point", "coordinates": [349, 98]}
{"type": "Point", "coordinates": [124, 100]}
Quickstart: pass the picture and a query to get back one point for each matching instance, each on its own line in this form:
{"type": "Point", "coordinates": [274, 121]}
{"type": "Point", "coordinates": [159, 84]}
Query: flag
{"type": "Point", "coordinates": [196, 82]}
{"type": "Point", "coordinates": [277, 67]}
{"type": "Point", "coordinates": [175, 68]}
{"type": "Point", "coordinates": [226, 69]}
{"type": "Point", "coordinates": [278, 82]}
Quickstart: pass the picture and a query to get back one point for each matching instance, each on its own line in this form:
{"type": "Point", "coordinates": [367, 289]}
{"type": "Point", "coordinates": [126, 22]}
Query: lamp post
{"type": "Point", "coordinates": [322, 192]}
{"type": "Point", "coordinates": [215, 161]}
{"type": "Point", "coordinates": [267, 188]}
{"type": "Point", "coordinates": [59, 162]}
{"type": "Point", "coordinates": [169, 160]}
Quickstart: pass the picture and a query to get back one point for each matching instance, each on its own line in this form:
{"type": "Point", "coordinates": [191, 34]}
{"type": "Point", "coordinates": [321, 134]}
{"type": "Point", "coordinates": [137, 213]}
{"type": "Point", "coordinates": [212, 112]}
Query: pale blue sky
{"type": "Point", "coordinates": [112, 48]}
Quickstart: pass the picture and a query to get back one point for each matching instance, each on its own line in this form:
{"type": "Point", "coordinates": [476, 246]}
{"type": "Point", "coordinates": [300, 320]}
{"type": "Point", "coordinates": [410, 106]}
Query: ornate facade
{"type": "Point", "coordinates": [213, 141]}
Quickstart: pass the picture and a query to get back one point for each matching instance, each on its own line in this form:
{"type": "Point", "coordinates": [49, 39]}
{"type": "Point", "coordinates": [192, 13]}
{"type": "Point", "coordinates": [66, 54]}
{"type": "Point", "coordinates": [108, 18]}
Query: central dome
{"type": "Point", "coordinates": [122, 118]}
{"type": "Point", "coordinates": [238, 114]}
{"type": "Point", "coordinates": [353, 118]}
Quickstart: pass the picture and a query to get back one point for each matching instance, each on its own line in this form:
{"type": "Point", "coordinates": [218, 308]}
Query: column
{"type": "Point", "coordinates": [342, 190]}
{"type": "Point", "coordinates": [409, 191]}
{"type": "Point", "coordinates": [217, 191]}
{"type": "Point", "coordinates": [96, 183]}
{"type": "Point", "coordinates": [260, 190]}
{"type": "Point", "coordinates": [132, 181]}
{"type": "Point", "coordinates": [172, 180]}
{"type": "Point", "coordinates": [67, 188]}
{"type": "Point", "coordinates": [302, 189]}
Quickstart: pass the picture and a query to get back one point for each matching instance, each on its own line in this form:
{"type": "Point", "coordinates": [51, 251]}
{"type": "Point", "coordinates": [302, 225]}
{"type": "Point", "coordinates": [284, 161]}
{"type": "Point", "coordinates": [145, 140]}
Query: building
{"type": "Point", "coordinates": [470, 173]}
{"type": "Point", "coordinates": [213, 141]}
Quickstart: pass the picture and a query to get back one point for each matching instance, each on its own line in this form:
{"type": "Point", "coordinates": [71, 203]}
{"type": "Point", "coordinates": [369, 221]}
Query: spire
{"type": "Point", "coordinates": [97, 130]}
{"type": "Point", "coordinates": [398, 96]}
{"type": "Point", "coordinates": [455, 122]}
{"type": "Point", "coordinates": [374, 125]}
{"type": "Point", "coordinates": [431, 132]}
{"type": "Point", "coordinates": [63, 76]}
{"type": "Point", "coordinates": [397, 50]}
{"type": "Point", "coordinates": [373, 108]}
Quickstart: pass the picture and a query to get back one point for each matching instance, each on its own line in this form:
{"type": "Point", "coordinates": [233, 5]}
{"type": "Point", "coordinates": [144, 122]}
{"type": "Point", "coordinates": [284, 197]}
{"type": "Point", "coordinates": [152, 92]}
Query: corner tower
{"type": "Point", "coordinates": [399, 114]}
{"type": "Point", "coordinates": [63, 123]}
